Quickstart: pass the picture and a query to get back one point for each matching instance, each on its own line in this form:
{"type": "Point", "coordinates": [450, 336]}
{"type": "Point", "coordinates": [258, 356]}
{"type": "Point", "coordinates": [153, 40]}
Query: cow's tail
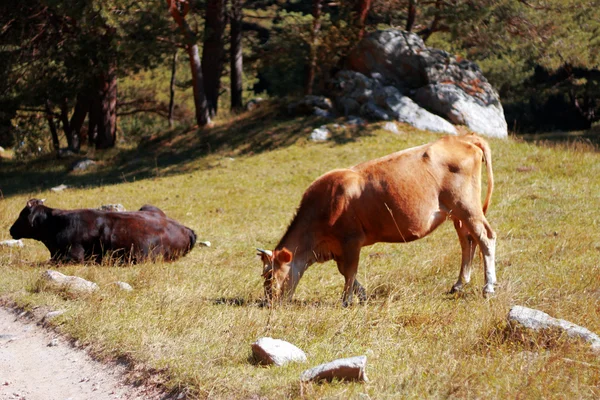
{"type": "Point", "coordinates": [487, 159]}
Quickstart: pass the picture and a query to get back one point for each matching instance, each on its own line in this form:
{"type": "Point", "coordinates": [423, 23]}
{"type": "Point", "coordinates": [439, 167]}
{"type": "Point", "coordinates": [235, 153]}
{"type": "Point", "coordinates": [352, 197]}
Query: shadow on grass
{"type": "Point", "coordinates": [579, 140]}
{"type": "Point", "coordinates": [174, 152]}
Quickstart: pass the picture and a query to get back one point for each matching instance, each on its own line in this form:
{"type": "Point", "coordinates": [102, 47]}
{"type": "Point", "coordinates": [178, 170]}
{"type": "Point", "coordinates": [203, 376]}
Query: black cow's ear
{"type": "Point", "coordinates": [36, 217]}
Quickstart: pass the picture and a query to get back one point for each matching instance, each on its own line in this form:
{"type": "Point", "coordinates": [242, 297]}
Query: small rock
{"type": "Point", "coordinates": [52, 314]}
{"type": "Point", "coordinates": [354, 120]}
{"type": "Point", "coordinates": [320, 134]}
{"type": "Point", "coordinates": [53, 342]}
{"type": "Point", "coordinates": [124, 286]}
{"type": "Point", "coordinates": [319, 112]}
{"type": "Point", "coordinates": [82, 165]}
{"type": "Point", "coordinates": [537, 320]}
{"type": "Point", "coordinates": [112, 207]}
{"type": "Point", "coordinates": [391, 127]}
{"type": "Point", "coordinates": [205, 243]}
{"type": "Point", "coordinates": [12, 243]}
{"type": "Point", "coordinates": [73, 283]}
{"type": "Point", "coordinates": [275, 351]}
{"type": "Point", "coordinates": [346, 369]}
{"type": "Point", "coordinates": [59, 188]}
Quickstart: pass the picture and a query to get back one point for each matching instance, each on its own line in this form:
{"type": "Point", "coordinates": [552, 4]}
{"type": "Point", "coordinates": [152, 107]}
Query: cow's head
{"type": "Point", "coordinates": [276, 272]}
{"type": "Point", "coordinates": [29, 219]}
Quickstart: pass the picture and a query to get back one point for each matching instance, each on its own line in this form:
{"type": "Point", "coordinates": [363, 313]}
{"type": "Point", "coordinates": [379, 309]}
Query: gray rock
{"type": "Point", "coordinates": [404, 109]}
{"type": "Point", "coordinates": [320, 134]}
{"type": "Point", "coordinates": [124, 286]}
{"type": "Point", "coordinates": [319, 112]}
{"type": "Point", "coordinates": [53, 342]}
{"type": "Point", "coordinates": [52, 314]}
{"type": "Point", "coordinates": [538, 320]}
{"type": "Point", "coordinates": [308, 104]}
{"type": "Point", "coordinates": [372, 111]}
{"type": "Point", "coordinates": [82, 165]}
{"type": "Point", "coordinates": [347, 106]}
{"type": "Point", "coordinates": [112, 207]}
{"type": "Point", "coordinates": [12, 243]}
{"type": "Point", "coordinates": [275, 351]}
{"type": "Point", "coordinates": [381, 103]}
{"type": "Point", "coordinates": [59, 188]}
{"type": "Point", "coordinates": [72, 283]}
{"type": "Point", "coordinates": [354, 120]}
{"type": "Point", "coordinates": [393, 63]}
{"type": "Point", "coordinates": [391, 127]}
{"type": "Point", "coordinates": [458, 107]}
{"type": "Point", "coordinates": [347, 369]}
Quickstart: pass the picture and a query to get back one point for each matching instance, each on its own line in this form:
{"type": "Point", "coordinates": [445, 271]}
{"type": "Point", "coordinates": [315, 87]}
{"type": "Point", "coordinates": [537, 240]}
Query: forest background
{"type": "Point", "coordinates": [128, 68]}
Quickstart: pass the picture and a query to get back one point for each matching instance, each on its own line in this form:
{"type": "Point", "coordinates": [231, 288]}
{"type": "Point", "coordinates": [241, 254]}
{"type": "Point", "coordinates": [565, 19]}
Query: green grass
{"type": "Point", "coordinates": [188, 325]}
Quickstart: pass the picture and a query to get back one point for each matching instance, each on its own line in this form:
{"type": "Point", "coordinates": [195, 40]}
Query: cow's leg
{"type": "Point", "coordinates": [486, 239]}
{"type": "Point", "coordinates": [348, 266]}
{"type": "Point", "coordinates": [360, 291]}
{"type": "Point", "coordinates": [468, 246]}
{"type": "Point", "coordinates": [475, 222]}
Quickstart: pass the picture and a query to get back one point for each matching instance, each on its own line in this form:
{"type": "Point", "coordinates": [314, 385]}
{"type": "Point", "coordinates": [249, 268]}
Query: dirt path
{"type": "Point", "coordinates": [37, 364]}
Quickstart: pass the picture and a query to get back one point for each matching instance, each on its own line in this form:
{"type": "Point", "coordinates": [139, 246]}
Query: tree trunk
{"type": "Point", "coordinates": [362, 10]}
{"type": "Point", "coordinates": [178, 11]}
{"type": "Point", "coordinates": [236, 55]}
{"type": "Point", "coordinates": [212, 52]}
{"type": "Point", "coordinates": [172, 89]}
{"type": "Point", "coordinates": [316, 26]}
{"type": "Point", "coordinates": [64, 118]}
{"type": "Point", "coordinates": [107, 103]}
{"type": "Point", "coordinates": [82, 106]}
{"type": "Point", "coordinates": [52, 125]}
{"type": "Point", "coordinates": [411, 14]}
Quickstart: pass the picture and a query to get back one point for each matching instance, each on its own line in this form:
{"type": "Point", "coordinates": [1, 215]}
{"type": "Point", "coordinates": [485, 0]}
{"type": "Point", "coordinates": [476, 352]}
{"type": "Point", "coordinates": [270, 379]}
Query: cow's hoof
{"type": "Point", "coordinates": [458, 287]}
{"type": "Point", "coordinates": [488, 290]}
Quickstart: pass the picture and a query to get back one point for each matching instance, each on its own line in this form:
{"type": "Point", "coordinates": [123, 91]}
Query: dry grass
{"type": "Point", "coordinates": [189, 324]}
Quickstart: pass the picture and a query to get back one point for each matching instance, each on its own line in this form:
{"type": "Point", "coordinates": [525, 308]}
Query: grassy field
{"type": "Point", "coordinates": [188, 325]}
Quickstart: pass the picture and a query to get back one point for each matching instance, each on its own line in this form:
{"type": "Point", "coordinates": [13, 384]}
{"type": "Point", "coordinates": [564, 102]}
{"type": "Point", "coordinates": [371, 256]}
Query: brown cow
{"type": "Point", "coordinates": [397, 198]}
{"type": "Point", "coordinates": [76, 235]}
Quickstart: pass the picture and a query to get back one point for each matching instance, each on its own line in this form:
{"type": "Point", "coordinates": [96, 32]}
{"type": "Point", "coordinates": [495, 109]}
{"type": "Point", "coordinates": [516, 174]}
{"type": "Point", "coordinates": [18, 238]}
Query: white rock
{"type": "Point", "coordinates": [348, 369]}
{"type": "Point", "coordinates": [73, 283]}
{"type": "Point", "coordinates": [12, 243]}
{"type": "Point", "coordinates": [320, 134]}
{"type": "Point", "coordinates": [275, 351]}
{"type": "Point", "coordinates": [112, 207]}
{"type": "Point", "coordinates": [205, 243]}
{"type": "Point", "coordinates": [124, 286]}
{"type": "Point", "coordinates": [537, 320]}
{"type": "Point", "coordinates": [59, 188]}
{"type": "Point", "coordinates": [391, 127]}
{"type": "Point", "coordinates": [52, 314]}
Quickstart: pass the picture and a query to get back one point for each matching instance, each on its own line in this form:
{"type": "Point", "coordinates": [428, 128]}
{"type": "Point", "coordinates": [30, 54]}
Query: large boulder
{"type": "Point", "coordinates": [373, 100]}
{"type": "Point", "coordinates": [436, 80]}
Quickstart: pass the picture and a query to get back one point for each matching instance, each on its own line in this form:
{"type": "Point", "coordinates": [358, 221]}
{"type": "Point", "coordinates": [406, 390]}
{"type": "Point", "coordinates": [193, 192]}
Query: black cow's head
{"type": "Point", "coordinates": [30, 218]}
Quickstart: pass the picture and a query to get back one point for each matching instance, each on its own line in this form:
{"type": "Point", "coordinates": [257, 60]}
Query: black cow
{"type": "Point", "coordinates": [78, 235]}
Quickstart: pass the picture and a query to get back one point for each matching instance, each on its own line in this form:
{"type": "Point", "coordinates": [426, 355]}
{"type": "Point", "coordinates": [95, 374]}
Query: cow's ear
{"type": "Point", "coordinates": [284, 256]}
{"type": "Point", "coordinates": [37, 216]}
